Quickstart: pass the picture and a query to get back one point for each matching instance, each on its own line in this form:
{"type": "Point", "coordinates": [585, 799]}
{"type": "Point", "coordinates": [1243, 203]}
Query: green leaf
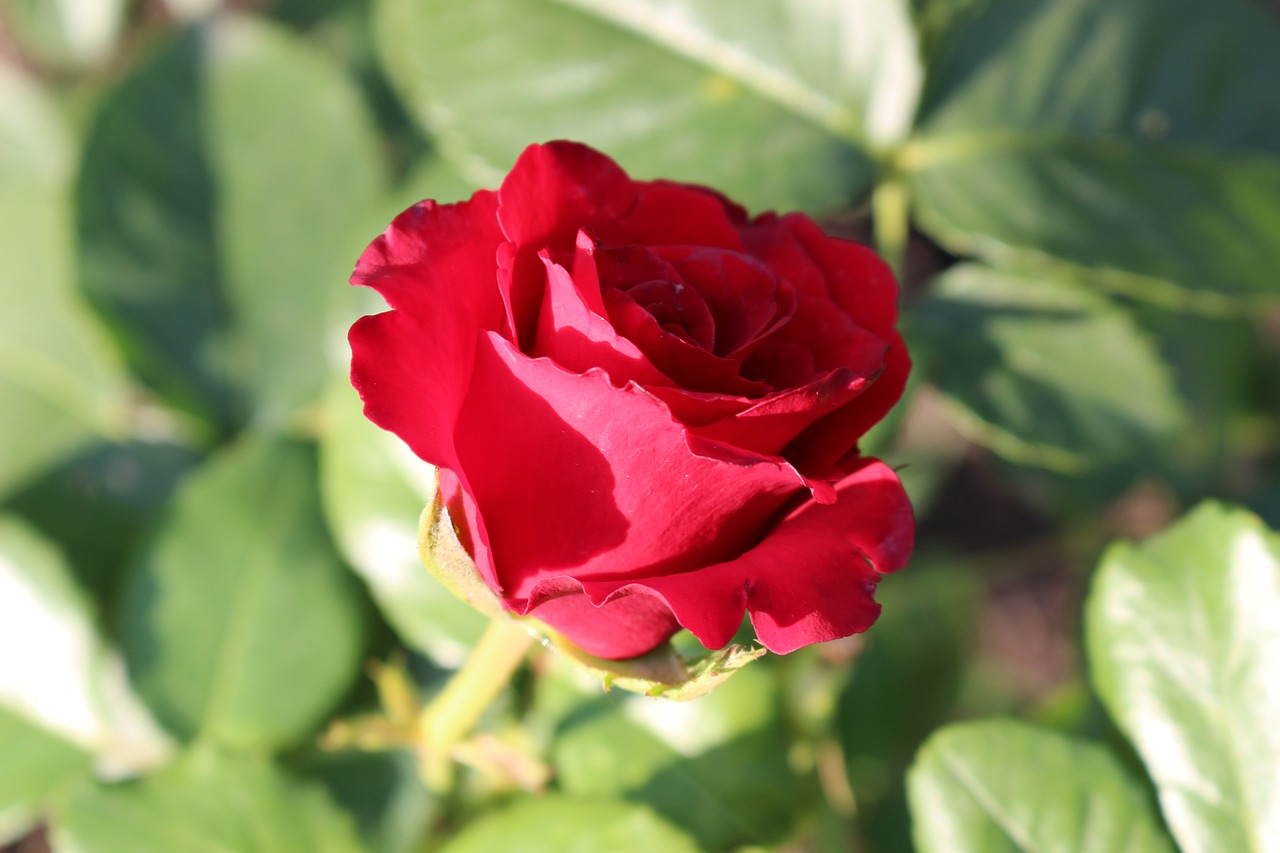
{"type": "Point", "coordinates": [205, 803]}
{"type": "Point", "coordinates": [1184, 643]}
{"type": "Point", "coordinates": [1002, 785]}
{"type": "Point", "coordinates": [716, 767]}
{"type": "Point", "coordinates": [60, 384]}
{"type": "Point", "coordinates": [146, 252]}
{"type": "Point", "coordinates": [1043, 371]}
{"type": "Point", "coordinates": [100, 505]}
{"type": "Point", "coordinates": [229, 183]}
{"type": "Point", "coordinates": [1135, 138]}
{"type": "Point", "coordinates": [375, 490]}
{"type": "Point", "coordinates": [65, 32]}
{"type": "Point", "coordinates": [298, 182]}
{"type": "Point", "coordinates": [557, 824]}
{"type": "Point", "coordinates": [57, 672]}
{"type": "Point", "coordinates": [775, 103]}
{"type": "Point", "coordinates": [240, 624]}
{"type": "Point", "coordinates": [393, 809]}
{"type": "Point", "coordinates": [905, 683]}
{"type": "Point", "coordinates": [36, 763]}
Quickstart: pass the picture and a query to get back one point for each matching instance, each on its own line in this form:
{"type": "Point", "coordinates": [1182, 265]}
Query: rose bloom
{"type": "Point", "coordinates": [645, 405]}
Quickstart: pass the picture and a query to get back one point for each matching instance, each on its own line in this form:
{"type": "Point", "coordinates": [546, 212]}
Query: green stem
{"type": "Point", "coordinates": [889, 220]}
{"type": "Point", "coordinates": [451, 716]}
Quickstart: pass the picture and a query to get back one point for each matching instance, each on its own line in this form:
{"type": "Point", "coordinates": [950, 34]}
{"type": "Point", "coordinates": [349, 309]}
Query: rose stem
{"type": "Point", "coordinates": [456, 709]}
{"type": "Point", "coordinates": [890, 223]}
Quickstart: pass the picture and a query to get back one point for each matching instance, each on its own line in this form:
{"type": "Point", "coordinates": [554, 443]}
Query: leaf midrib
{"type": "Point", "coordinates": [925, 150]}
{"type": "Point", "coordinates": [765, 80]}
{"type": "Point", "coordinates": [247, 602]}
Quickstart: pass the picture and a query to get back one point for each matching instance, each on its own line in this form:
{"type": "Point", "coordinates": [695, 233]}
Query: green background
{"type": "Point", "coordinates": [203, 543]}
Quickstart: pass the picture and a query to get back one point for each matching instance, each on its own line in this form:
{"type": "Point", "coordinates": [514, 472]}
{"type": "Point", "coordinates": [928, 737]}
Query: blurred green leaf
{"type": "Point", "coordinates": [849, 67]}
{"type": "Point", "coordinates": [1138, 138]}
{"type": "Point", "coordinates": [36, 763]}
{"type": "Point", "coordinates": [205, 802]}
{"type": "Point", "coordinates": [298, 181]}
{"type": "Point", "coordinates": [147, 256]}
{"type": "Point", "coordinates": [228, 185]}
{"type": "Point", "coordinates": [56, 671]}
{"type": "Point", "coordinates": [717, 766]}
{"type": "Point", "coordinates": [240, 624]}
{"type": "Point", "coordinates": [1042, 370]}
{"type": "Point", "coordinates": [436, 178]}
{"type": "Point", "coordinates": [773, 103]}
{"type": "Point", "coordinates": [1002, 785]}
{"type": "Point", "coordinates": [904, 683]}
{"type": "Point", "coordinates": [392, 807]}
{"type": "Point", "coordinates": [557, 824]}
{"type": "Point", "coordinates": [1184, 642]}
{"type": "Point", "coordinates": [1214, 362]}
{"type": "Point", "coordinates": [60, 384]}
{"type": "Point", "coordinates": [64, 32]}
{"type": "Point", "coordinates": [375, 490]}
{"type": "Point", "coordinates": [100, 504]}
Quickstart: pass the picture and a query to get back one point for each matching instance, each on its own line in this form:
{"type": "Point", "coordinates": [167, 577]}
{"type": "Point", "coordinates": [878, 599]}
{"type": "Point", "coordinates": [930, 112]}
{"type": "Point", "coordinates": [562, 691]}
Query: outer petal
{"type": "Point", "coordinates": [810, 580]}
{"type": "Point", "coordinates": [551, 192]}
{"type": "Point", "coordinates": [769, 426]}
{"type": "Point", "coordinates": [412, 366]}
{"type": "Point", "coordinates": [626, 626]}
{"type": "Point", "coordinates": [598, 481]}
{"type": "Point", "coordinates": [833, 437]}
{"type": "Point", "coordinates": [829, 268]}
{"type": "Point", "coordinates": [860, 281]}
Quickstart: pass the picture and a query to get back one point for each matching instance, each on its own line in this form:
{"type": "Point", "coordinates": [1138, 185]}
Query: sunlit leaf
{"type": "Point", "coordinates": [1000, 785]}
{"type": "Point", "coordinates": [1184, 644]}
{"type": "Point", "coordinates": [240, 624]}
{"type": "Point", "coordinates": [775, 103]}
{"type": "Point", "coordinates": [375, 491]}
{"type": "Point", "coordinates": [56, 671]}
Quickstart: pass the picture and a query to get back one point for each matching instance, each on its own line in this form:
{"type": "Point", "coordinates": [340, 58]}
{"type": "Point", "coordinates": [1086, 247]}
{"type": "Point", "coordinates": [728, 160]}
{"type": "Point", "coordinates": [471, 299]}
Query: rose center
{"type": "Point", "coordinates": [679, 310]}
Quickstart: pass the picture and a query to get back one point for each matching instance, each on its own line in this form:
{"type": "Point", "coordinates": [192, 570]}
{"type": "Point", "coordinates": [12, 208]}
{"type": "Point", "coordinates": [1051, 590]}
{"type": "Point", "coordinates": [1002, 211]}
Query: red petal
{"type": "Point", "coordinates": [860, 281]}
{"type": "Point", "coordinates": [554, 190]}
{"type": "Point", "coordinates": [574, 336]}
{"type": "Point", "coordinates": [576, 476]}
{"type": "Point", "coordinates": [625, 627]}
{"type": "Point", "coordinates": [833, 437]}
{"type": "Point", "coordinates": [412, 365]}
{"type": "Point", "coordinates": [812, 579]}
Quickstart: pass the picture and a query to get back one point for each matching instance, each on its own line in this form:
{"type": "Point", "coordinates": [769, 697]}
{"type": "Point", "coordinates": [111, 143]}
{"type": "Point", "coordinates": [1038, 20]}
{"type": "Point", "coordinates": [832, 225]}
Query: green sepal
{"type": "Point", "coordinates": [444, 555]}
{"type": "Point", "coordinates": [661, 672]}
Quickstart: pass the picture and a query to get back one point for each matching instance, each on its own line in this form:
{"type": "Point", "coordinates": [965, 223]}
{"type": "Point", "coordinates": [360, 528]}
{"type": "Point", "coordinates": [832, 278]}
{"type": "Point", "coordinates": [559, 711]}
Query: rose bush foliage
{"type": "Point", "coordinates": [645, 405]}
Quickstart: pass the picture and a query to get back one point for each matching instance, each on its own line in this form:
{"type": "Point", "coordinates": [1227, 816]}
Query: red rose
{"type": "Point", "coordinates": [646, 404]}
